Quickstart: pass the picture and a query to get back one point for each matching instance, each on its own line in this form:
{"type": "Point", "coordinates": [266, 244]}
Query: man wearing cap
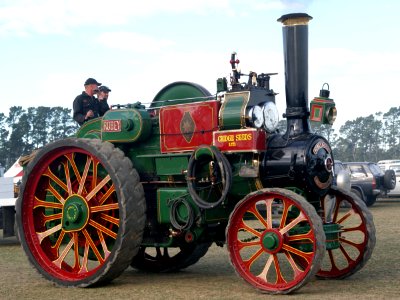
{"type": "Point", "coordinates": [103, 93]}
{"type": "Point", "coordinates": [86, 106]}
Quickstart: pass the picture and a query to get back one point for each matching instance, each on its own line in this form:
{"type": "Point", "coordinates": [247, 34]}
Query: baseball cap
{"type": "Point", "coordinates": [91, 81]}
{"type": "Point", "coordinates": [104, 88]}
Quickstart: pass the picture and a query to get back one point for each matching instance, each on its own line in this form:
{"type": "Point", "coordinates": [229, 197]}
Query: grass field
{"type": "Point", "coordinates": [214, 278]}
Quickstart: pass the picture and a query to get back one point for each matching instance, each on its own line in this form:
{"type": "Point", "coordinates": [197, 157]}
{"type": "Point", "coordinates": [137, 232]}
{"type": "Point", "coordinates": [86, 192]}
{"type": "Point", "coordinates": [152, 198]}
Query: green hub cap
{"type": "Point", "coordinates": [75, 213]}
{"type": "Point", "coordinates": [270, 241]}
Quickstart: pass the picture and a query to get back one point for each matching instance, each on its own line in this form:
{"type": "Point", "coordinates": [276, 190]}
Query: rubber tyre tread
{"type": "Point", "coordinates": [389, 179]}
{"type": "Point", "coordinates": [132, 209]}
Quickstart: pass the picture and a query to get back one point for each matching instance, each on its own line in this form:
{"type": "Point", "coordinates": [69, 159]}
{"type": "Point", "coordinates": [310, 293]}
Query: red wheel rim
{"type": "Point", "coordinates": [273, 268]}
{"type": "Point", "coordinates": [353, 239]}
{"type": "Point", "coordinates": [74, 252]}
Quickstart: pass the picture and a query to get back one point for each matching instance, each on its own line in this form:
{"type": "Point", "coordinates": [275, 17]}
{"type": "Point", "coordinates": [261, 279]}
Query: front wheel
{"type": "Point", "coordinates": [275, 240]}
{"type": "Point", "coordinates": [81, 212]}
{"type": "Point", "coordinates": [356, 237]}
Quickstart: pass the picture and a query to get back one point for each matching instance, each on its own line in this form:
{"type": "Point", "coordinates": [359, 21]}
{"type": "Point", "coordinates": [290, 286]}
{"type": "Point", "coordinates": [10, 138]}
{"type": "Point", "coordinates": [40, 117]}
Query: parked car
{"type": "Point", "coordinates": [368, 181]}
{"type": "Point", "coordinates": [396, 191]}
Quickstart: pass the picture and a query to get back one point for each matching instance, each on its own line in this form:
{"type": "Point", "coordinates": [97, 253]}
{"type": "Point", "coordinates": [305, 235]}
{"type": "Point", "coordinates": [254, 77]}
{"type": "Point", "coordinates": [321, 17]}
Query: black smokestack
{"type": "Point", "coordinates": [295, 46]}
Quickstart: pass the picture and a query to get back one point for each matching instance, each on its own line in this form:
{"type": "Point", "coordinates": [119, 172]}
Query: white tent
{"type": "Point", "coordinates": [15, 171]}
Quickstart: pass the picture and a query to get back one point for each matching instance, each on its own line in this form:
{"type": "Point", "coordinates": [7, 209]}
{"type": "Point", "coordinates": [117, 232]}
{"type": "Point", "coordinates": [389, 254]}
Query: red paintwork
{"type": "Point", "coordinates": [186, 126]}
{"type": "Point", "coordinates": [240, 140]}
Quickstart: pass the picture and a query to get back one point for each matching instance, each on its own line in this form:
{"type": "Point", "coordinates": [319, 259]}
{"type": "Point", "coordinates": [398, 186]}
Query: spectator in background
{"type": "Point", "coordinates": [86, 106]}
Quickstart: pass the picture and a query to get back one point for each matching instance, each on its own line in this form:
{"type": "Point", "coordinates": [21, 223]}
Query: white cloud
{"type": "Point", "coordinates": [133, 41]}
{"type": "Point", "coordinates": [25, 17]}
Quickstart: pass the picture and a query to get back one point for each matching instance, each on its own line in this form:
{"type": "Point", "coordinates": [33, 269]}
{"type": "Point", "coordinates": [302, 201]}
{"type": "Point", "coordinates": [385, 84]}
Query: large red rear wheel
{"type": "Point", "coordinates": [81, 212]}
{"type": "Point", "coordinates": [275, 240]}
{"type": "Point", "coordinates": [356, 237]}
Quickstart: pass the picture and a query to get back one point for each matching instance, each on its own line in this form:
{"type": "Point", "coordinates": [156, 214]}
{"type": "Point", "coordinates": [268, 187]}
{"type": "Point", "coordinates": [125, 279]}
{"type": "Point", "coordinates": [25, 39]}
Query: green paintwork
{"type": "Point", "coordinates": [332, 232]}
{"type": "Point", "coordinates": [270, 241]}
{"type": "Point", "coordinates": [180, 92]}
{"type": "Point", "coordinates": [166, 197]}
{"type": "Point", "coordinates": [232, 114]}
{"type": "Point", "coordinates": [75, 213]}
{"type": "Point", "coordinates": [171, 165]}
{"type": "Point", "coordinates": [135, 125]}
{"type": "Point", "coordinates": [90, 129]}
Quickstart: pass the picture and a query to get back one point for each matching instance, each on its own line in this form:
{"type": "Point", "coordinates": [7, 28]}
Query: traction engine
{"type": "Point", "coordinates": [154, 187]}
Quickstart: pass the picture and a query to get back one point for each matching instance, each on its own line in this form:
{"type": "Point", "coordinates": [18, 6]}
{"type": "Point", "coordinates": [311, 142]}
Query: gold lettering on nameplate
{"type": "Point", "coordinates": [111, 125]}
{"type": "Point", "coordinates": [232, 139]}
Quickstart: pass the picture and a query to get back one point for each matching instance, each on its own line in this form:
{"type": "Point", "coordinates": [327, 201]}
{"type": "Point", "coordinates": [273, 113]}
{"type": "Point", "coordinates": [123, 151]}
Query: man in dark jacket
{"type": "Point", "coordinates": [86, 106]}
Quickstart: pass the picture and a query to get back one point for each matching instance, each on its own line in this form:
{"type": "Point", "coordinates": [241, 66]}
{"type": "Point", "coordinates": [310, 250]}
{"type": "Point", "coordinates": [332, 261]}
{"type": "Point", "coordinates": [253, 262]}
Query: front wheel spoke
{"type": "Point", "coordinates": [103, 229]}
{"type": "Point", "coordinates": [242, 245]}
{"type": "Point", "coordinates": [93, 246]}
{"type": "Point", "coordinates": [334, 268]}
{"type": "Point", "coordinates": [98, 187]}
{"type": "Point", "coordinates": [299, 237]}
{"type": "Point", "coordinates": [306, 255]}
{"type": "Point", "coordinates": [301, 217]}
{"type": "Point", "coordinates": [297, 271]}
{"type": "Point", "coordinates": [285, 213]}
{"type": "Point", "coordinates": [268, 264]}
{"type": "Point", "coordinates": [346, 255]}
{"type": "Point", "coordinates": [358, 246]}
{"type": "Point", "coordinates": [249, 229]}
{"type": "Point", "coordinates": [58, 262]}
{"type": "Point", "coordinates": [345, 217]}
{"type": "Point", "coordinates": [257, 214]}
{"type": "Point", "coordinates": [42, 235]}
{"type": "Point", "coordinates": [106, 207]}
{"type": "Point", "coordinates": [356, 228]}
{"type": "Point", "coordinates": [251, 260]}
{"type": "Point", "coordinates": [279, 276]}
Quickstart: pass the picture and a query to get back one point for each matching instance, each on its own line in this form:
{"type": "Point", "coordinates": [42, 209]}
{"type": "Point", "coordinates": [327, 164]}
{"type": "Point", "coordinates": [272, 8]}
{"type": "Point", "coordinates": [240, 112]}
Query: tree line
{"type": "Point", "coordinates": [25, 130]}
{"type": "Point", "coordinates": [372, 138]}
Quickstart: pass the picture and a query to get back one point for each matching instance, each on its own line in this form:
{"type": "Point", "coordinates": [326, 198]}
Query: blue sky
{"type": "Point", "coordinates": [48, 48]}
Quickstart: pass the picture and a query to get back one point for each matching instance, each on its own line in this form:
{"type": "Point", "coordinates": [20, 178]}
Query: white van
{"type": "Point", "coordinates": [386, 163]}
{"type": "Point", "coordinates": [396, 168]}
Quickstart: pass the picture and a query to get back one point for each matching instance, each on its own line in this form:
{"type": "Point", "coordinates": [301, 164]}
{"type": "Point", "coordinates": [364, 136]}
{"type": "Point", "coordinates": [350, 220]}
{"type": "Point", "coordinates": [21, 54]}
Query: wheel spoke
{"type": "Point", "coordinates": [249, 229]}
{"type": "Point", "coordinates": [301, 217]}
{"type": "Point", "coordinates": [42, 235]}
{"type": "Point", "coordinates": [110, 219]}
{"type": "Point", "coordinates": [55, 193]}
{"type": "Point", "coordinates": [84, 175]}
{"type": "Point", "coordinates": [68, 178]}
{"type": "Point", "coordinates": [103, 244]}
{"type": "Point", "coordinates": [106, 195]}
{"type": "Point", "coordinates": [40, 203]}
{"type": "Point", "coordinates": [251, 260]}
{"type": "Point", "coordinates": [98, 187]}
{"type": "Point", "coordinates": [284, 214]}
{"type": "Point", "coordinates": [84, 267]}
{"type": "Point", "coordinates": [268, 264]}
{"type": "Point", "coordinates": [55, 179]}
{"type": "Point", "coordinates": [103, 229]}
{"type": "Point", "coordinates": [93, 246]}
{"type": "Point", "coordinates": [106, 207]}
{"type": "Point", "coordinates": [308, 256]}
{"type": "Point", "coordinates": [48, 218]}
{"type": "Point", "coordinates": [242, 245]}
{"type": "Point", "coordinates": [279, 275]}
{"type": "Point", "coordinates": [297, 271]}
{"type": "Point", "coordinates": [58, 262]}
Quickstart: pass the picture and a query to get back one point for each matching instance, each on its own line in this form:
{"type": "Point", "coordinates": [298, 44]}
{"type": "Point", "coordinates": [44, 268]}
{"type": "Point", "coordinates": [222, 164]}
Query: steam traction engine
{"type": "Point", "coordinates": [155, 187]}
